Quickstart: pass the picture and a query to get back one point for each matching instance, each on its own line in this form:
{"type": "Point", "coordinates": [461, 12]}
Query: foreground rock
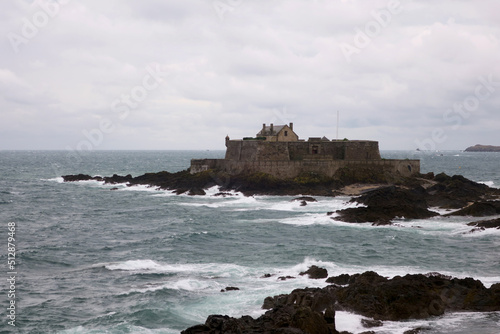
{"type": "Point", "coordinates": [312, 310]}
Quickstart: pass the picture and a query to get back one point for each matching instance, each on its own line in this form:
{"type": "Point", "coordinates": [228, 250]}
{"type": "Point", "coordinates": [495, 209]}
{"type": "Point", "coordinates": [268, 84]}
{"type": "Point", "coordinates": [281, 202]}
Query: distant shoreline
{"type": "Point", "coordinates": [483, 148]}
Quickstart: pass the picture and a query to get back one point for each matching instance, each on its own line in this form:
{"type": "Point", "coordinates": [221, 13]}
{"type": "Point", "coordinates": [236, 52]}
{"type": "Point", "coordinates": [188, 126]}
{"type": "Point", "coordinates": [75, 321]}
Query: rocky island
{"type": "Point", "coordinates": [483, 148]}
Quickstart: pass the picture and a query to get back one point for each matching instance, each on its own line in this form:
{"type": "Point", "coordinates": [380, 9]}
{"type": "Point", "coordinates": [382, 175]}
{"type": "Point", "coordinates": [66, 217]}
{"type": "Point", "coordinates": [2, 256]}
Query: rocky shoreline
{"type": "Point", "coordinates": [381, 201]}
{"type": "Point", "coordinates": [312, 310]}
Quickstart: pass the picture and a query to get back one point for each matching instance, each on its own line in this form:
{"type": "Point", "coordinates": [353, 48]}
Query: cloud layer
{"type": "Point", "coordinates": [183, 74]}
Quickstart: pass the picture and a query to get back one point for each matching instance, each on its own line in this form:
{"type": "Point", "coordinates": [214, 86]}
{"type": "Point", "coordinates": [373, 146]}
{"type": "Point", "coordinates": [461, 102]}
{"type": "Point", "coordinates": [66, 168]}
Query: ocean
{"type": "Point", "coordinates": [142, 260]}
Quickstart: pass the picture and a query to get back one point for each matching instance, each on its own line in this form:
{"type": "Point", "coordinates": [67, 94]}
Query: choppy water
{"type": "Point", "coordinates": [140, 260]}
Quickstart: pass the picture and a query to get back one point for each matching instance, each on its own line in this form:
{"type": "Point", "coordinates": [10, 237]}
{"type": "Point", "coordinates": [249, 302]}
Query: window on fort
{"type": "Point", "coordinates": [315, 150]}
{"type": "Point", "coordinates": [286, 133]}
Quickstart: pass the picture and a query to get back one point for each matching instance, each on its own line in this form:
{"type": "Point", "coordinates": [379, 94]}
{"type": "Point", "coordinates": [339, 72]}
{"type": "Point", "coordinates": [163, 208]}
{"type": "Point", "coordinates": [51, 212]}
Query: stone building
{"type": "Point", "coordinates": [278, 151]}
{"type": "Point", "coordinates": [277, 133]}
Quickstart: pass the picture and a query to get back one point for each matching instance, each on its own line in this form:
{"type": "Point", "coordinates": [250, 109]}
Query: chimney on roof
{"type": "Point", "coordinates": [272, 128]}
{"type": "Point", "coordinates": [291, 126]}
{"type": "Point", "coordinates": [263, 127]}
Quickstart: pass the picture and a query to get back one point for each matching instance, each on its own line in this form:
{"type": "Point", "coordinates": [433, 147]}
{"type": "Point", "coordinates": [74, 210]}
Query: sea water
{"type": "Point", "coordinates": [90, 259]}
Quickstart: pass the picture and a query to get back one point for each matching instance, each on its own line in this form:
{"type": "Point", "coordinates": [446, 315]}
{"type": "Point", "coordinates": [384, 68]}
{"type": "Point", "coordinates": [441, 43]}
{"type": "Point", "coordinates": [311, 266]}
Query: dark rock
{"type": "Point", "coordinates": [80, 177]}
{"type": "Point", "coordinates": [312, 310]}
{"type": "Point", "coordinates": [303, 203]}
{"type": "Point", "coordinates": [315, 272]}
{"type": "Point", "coordinates": [223, 194]}
{"type": "Point", "coordinates": [417, 330]}
{"type": "Point", "coordinates": [305, 199]}
{"type": "Point", "coordinates": [479, 209]}
{"type": "Point", "coordinates": [196, 191]}
{"type": "Point", "coordinates": [232, 288]}
{"type": "Point", "coordinates": [284, 278]}
{"type": "Point", "coordinates": [456, 191]}
{"type": "Point", "coordinates": [370, 323]}
{"type": "Point", "coordinates": [266, 276]}
{"type": "Point", "coordinates": [114, 188]}
{"type": "Point", "coordinates": [385, 204]}
{"type": "Point", "coordinates": [283, 320]}
{"type": "Point", "coordinates": [483, 224]}
{"type": "Point", "coordinates": [340, 280]}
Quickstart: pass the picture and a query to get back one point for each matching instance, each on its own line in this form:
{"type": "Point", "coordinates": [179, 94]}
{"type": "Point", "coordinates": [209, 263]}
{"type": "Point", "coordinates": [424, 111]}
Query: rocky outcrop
{"type": "Point", "coordinates": [484, 224]}
{"type": "Point", "coordinates": [483, 148]}
{"type": "Point", "coordinates": [315, 272]}
{"type": "Point", "coordinates": [456, 191]}
{"type": "Point", "coordinates": [412, 200]}
{"type": "Point", "coordinates": [479, 209]}
{"type": "Point", "coordinates": [385, 204]}
{"type": "Point", "coordinates": [312, 310]}
{"type": "Point", "coordinates": [289, 319]}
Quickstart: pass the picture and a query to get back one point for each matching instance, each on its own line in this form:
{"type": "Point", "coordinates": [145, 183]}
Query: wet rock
{"type": "Point", "coordinates": [340, 280]}
{"type": "Point", "coordinates": [417, 330]}
{"type": "Point", "coordinates": [284, 278]}
{"type": "Point", "coordinates": [455, 192]}
{"type": "Point", "coordinates": [479, 209]}
{"type": "Point", "coordinates": [304, 199]}
{"type": "Point", "coordinates": [80, 177]}
{"type": "Point", "coordinates": [385, 204]}
{"type": "Point", "coordinates": [229, 288]}
{"type": "Point", "coordinates": [370, 323]}
{"type": "Point", "coordinates": [223, 194]}
{"type": "Point", "coordinates": [283, 320]}
{"type": "Point", "coordinates": [315, 272]}
{"type": "Point", "coordinates": [483, 224]}
{"type": "Point", "coordinates": [196, 191]}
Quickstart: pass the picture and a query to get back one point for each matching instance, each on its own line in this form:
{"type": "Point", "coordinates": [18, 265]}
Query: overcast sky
{"type": "Point", "coordinates": [183, 74]}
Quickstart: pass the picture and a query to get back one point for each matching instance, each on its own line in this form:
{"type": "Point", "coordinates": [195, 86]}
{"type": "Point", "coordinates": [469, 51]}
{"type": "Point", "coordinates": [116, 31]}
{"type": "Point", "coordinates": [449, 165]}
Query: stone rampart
{"type": "Point", "coordinates": [291, 169]}
{"type": "Point", "coordinates": [261, 150]}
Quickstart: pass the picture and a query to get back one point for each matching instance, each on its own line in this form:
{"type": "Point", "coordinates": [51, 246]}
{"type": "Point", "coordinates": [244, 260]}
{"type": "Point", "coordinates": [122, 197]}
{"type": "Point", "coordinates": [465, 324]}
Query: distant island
{"type": "Point", "coordinates": [483, 148]}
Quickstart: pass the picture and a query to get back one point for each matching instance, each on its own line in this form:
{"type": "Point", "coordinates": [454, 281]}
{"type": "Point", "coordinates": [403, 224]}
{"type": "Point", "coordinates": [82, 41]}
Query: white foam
{"type": "Point", "coordinates": [55, 179]}
{"type": "Point", "coordinates": [136, 187]}
{"type": "Point", "coordinates": [206, 270]}
{"type": "Point", "coordinates": [346, 321]}
{"type": "Point", "coordinates": [488, 183]}
{"type": "Point", "coordinates": [135, 265]}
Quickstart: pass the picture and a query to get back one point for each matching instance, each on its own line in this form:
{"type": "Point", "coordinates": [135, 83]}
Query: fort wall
{"type": "Point", "coordinates": [292, 169]}
{"type": "Point", "coordinates": [258, 150]}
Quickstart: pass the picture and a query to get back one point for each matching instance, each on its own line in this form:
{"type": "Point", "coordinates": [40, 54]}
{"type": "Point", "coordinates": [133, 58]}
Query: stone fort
{"type": "Point", "coordinates": [278, 151]}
